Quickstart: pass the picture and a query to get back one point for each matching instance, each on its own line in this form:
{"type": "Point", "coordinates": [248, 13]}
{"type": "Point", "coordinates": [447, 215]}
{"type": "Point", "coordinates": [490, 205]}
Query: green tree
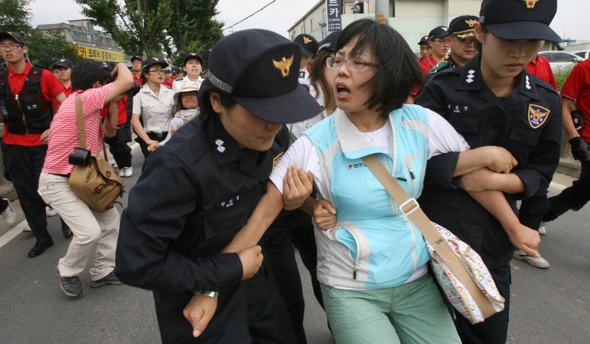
{"type": "Point", "coordinates": [15, 16]}
{"type": "Point", "coordinates": [136, 25]}
{"type": "Point", "coordinates": [46, 48]}
{"type": "Point", "coordinates": [193, 28]}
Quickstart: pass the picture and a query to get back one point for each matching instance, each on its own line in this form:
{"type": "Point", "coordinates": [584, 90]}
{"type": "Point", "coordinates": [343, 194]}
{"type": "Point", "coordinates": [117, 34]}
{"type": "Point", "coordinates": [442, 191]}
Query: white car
{"type": "Point", "coordinates": [585, 54]}
{"type": "Point", "coordinates": [561, 60]}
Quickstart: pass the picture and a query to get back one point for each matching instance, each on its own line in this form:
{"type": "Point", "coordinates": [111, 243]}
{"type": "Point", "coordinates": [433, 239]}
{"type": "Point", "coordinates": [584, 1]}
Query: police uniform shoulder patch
{"type": "Point", "coordinates": [537, 115]}
{"type": "Point", "coordinates": [276, 159]}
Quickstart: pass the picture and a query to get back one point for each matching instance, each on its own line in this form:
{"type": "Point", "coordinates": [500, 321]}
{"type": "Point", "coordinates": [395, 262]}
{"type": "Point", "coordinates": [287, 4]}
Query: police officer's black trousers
{"type": "Point", "coordinates": [119, 148]}
{"type": "Point", "coordinates": [22, 166]}
{"type": "Point", "coordinates": [144, 146]}
{"type": "Point", "coordinates": [572, 198]}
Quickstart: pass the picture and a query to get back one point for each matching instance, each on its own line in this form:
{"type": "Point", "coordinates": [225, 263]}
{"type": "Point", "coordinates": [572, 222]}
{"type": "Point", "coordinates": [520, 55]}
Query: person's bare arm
{"type": "Point", "coordinates": [497, 159]}
{"type": "Point", "coordinates": [521, 236]}
{"type": "Point", "coordinates": [123, 83]}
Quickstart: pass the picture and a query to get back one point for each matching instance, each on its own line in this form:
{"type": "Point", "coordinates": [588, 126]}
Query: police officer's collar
{"type": "Point", "coordinates": [471, 79]}
{"type": "Point", "coordinates": [227, 151]}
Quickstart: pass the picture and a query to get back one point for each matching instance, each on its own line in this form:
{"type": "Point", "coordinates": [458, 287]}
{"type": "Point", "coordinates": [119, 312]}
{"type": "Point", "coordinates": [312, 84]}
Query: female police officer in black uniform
{"type": "Point", "coordinates": [199, 189]}
{"type": "Point", "coordinates": [493, 100]}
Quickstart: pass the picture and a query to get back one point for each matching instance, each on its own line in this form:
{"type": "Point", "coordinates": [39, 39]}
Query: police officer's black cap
{"type": "Point", "coordinates": [438, 32]}
{"type": "Point", "coordinates": [329, 42]}
{"type": "Point", "coordinates": [63, 62]}
{"type": "Point", "coordinates": [207, 53]}
{"type": "Point", "coordinates": [150, 61]}
{"type": "Point", "coordinates": [519, 19]}
{"type": "Point", "coordinates": [260, 70]}
{"type": "Point", "coordinates": [189, 56]}
{"type": "Point", "coordinates": [423, 40]}
{"type": "Point", "coordinates": [308, 44]}
{"type": "Point", "coordinates": [136, 58]}
{"type": "Point", "coordinates": [12, 35]}
{"type": "Point", "coordinates": [463, 26]}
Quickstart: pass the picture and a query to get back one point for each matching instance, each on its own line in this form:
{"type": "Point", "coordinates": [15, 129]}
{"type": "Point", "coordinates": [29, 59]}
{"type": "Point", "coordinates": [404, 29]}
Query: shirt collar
{"type": "Point", "coordinates": [472, 80]}
{"type": "Point", "coordinates": [12, 73]}
{"type": "Point", "coordinates": [226, 151]}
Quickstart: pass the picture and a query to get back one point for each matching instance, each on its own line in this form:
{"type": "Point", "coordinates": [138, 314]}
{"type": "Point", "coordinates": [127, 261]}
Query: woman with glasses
{"type": "Point", "coordinates": [153, 106]}
{"type": "Point", "coordinates": [372, 261]}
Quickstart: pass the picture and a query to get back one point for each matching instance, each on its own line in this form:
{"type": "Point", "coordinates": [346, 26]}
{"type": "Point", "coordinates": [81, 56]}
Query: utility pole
{"type": "Point", "coordinates": [382, 11]}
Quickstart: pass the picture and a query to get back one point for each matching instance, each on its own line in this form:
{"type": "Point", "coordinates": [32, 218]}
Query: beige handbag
{"type": "Point", "coordinates": [97, 184]}
{"type": "Point", "coordinates": [459, 270]}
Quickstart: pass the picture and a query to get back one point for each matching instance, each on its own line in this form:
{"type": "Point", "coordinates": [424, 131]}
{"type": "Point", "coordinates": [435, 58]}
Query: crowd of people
{"type": "Point", "coordinates": [261, 154]}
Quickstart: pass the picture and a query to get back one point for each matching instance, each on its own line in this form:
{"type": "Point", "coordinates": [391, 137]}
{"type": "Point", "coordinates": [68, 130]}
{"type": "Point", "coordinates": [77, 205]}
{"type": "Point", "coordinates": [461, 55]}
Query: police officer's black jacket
{"type": "Point", "coordinates": [194, 194]}
{"type": "Point", "coordinates": [527, 123]}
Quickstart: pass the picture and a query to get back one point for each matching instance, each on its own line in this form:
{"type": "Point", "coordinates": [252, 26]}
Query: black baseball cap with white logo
{"type": "Point", "coordinates": [308, 44]}
{"type": "Point", "coordinates": [260, 70]}
{"type": "Point", "coordinates": [519, 19]}
{"type": "Point", "coordinates": [423, 40]}
{"type": "Point", "coordinates": [438, 32]}
{"type": "Point", "coordinates": [63, 62]}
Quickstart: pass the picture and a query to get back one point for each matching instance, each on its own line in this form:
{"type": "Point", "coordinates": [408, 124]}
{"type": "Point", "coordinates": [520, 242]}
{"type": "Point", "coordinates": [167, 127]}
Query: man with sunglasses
{"type": "Point", "coordinates": [26, 92]}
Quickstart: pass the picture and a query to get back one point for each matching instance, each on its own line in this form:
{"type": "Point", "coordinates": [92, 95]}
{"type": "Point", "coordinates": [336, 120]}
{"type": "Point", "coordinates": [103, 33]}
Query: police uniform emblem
{"type": "Point", "coordinates": [306, 40]}
{"type": "Point", "coordinates": [470, 22]}
{"type": "Point", "coordinates": [537, 115]}
{"type": "Point", "coordinates": [155, 59]}
{"type": "Point", "coordinates": [530, 3]}
{"type": "Point", "coordinates": [284, 65]}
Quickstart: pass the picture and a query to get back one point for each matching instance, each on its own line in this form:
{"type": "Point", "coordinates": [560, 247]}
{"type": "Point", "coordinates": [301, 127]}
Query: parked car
{"type": "Point", "coordinates": [560, 60]}
{"type": "Point", "coordinates": [585, 54]}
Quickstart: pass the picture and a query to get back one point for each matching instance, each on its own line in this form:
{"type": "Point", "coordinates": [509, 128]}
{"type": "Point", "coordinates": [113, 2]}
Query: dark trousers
{"type": "Point", "coordinates": [119, 148]}
{"type": "Point", "coordinates": [144, 146]}
{"type": "Point", "coordinates": [494, 330]}
{"type": "Point", "coordinates": [572, 198]}
{"type": "Point", "coordinates": [22, 166]}
{"type": "Point", "coordinates": [252, 311]}
{"type": "Point", "coordinates": [532, 210]}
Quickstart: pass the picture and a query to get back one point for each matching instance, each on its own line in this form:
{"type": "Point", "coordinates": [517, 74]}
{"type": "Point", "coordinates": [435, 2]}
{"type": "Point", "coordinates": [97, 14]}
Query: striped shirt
{"type": "Point", "coordinates": [64, 129]}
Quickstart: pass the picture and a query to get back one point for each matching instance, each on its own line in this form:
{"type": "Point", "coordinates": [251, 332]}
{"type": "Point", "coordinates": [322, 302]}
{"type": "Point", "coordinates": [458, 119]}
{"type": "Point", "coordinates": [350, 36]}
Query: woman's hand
{"type": "Point", "coordinates": [152, 145]}
{"type": "Point", "coordinates": [502, 161]}
{"type": "Point", "coordinates": [324, 215]}
{"type": "Point", "coordinates": [297, 186]}
{"type": "Point", "coordinates": [199, 312]}
{"type": "Point", "coordinates": [173, 130]}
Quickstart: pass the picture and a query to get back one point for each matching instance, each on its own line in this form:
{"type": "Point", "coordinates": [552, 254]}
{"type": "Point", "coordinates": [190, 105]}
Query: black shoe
{"type": "Point", "coordinates": [71, 286]}
{"type": "Point", "coordinates": [65, 230]}
{"type": "Point", "coordinates": [39, 248]}
{"type": "Point", "coordinates": [108, 279]}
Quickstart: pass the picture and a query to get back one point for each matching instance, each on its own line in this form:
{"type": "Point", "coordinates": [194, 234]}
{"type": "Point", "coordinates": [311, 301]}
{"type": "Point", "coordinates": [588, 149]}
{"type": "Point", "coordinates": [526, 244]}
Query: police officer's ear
{"type": "Point", "coordinates": [479, 32]}
{"type": "Point", "coordinates": [215, 101]}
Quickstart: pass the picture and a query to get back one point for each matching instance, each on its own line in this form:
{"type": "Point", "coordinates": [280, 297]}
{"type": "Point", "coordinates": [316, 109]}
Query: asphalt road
{"type": "Point", "coordinates": [548, 306]}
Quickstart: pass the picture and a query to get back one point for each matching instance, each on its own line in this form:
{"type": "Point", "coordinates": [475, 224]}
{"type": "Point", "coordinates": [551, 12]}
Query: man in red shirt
{"type": "Point", "coordinates": [136, 65]}
{"type": "Point", "coordinates": [576, 90]}
{"type": "Point", "coordinates": [26, 114]}
{"type": "Point", "coordinates": [540, 67]}
{"type": "Point", "coordinates": [424, 48]}
{"type": "Point", "coordinates": [168, 77]}
{"type": "Point", "coordinates": [439, 47]}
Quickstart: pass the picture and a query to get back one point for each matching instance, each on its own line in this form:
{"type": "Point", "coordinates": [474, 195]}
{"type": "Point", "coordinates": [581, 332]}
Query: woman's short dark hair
{"type": "Point", "coordinates": [86, 73]}
{"type": "Point", "coordinates": [143, 77]}
{"type": "Point", "coordinates": [398, 70]}
{"type": "Point", "coordinates": [317, 74]}
{"type": "Point", "coordinates": [205, 103]}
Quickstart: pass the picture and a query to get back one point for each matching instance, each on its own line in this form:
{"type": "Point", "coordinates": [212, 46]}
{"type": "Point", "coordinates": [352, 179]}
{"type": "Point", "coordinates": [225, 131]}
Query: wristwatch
{"type": "Point", "coordinates": [210, 293]}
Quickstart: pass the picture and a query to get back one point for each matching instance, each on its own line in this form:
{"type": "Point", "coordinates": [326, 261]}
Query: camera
{"type": "Point", "coordinates": [80, 157]}
{"type": "Point", "coordinates": [134, 89]}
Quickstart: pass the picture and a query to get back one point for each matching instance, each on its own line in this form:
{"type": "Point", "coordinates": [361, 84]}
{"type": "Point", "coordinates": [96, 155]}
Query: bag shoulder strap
{"type": "Point", "coordinates": [410, 207]}
{"type": "Point", "coordinates": [81, 127]}
{"type": "Point", "coordinates": [80, 119]}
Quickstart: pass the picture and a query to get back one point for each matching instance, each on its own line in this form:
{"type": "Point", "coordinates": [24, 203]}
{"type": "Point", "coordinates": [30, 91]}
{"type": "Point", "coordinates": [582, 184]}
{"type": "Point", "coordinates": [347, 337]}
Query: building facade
{"type": "Point", "coordinates": [92, 44]}
{"type": "Point", "coordinates": [411, 18]}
